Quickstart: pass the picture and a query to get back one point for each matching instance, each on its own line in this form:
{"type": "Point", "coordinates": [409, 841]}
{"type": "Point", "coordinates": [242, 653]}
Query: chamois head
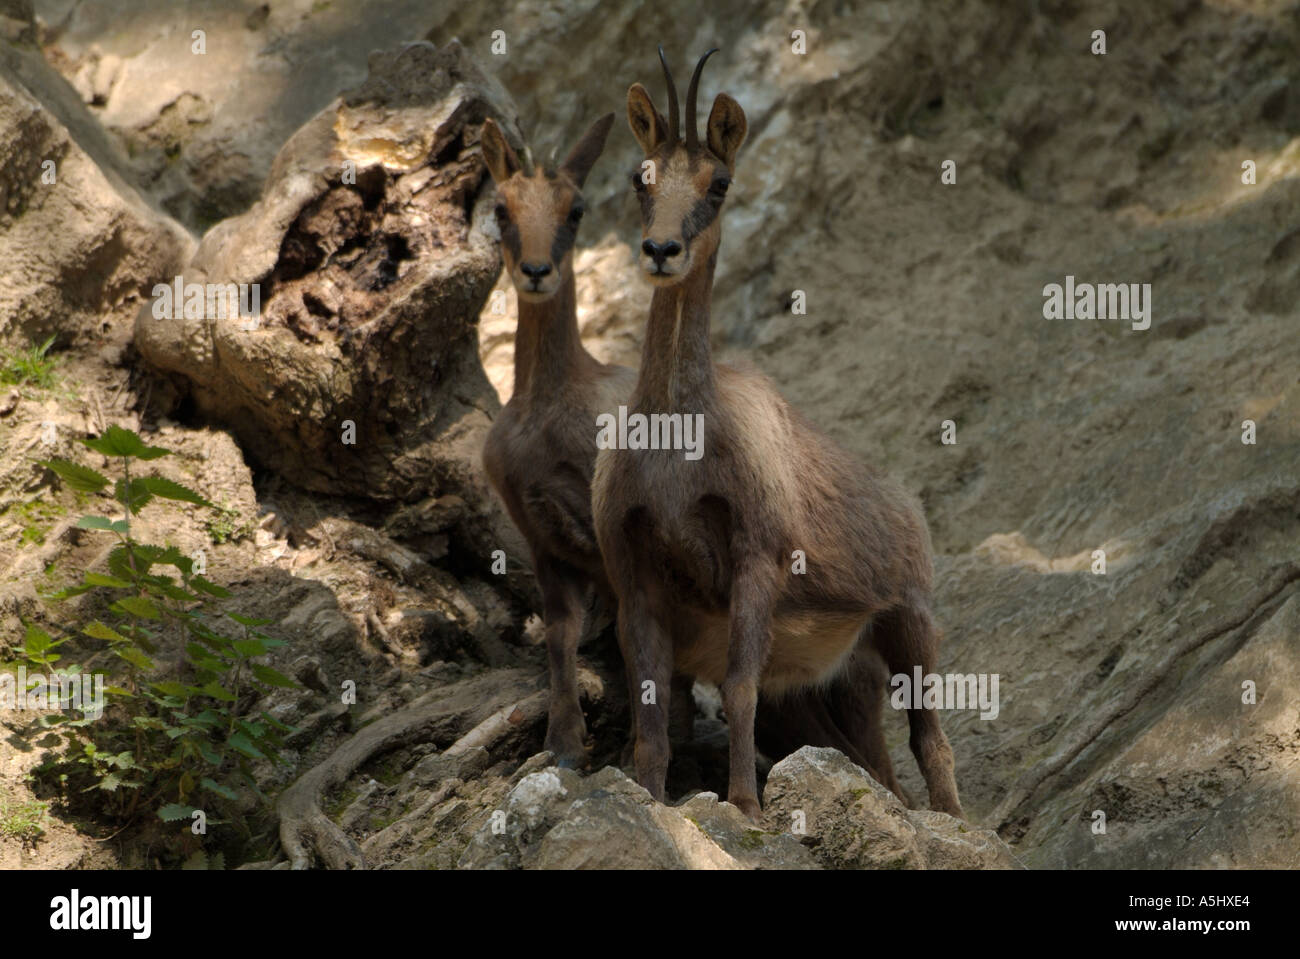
{"type": "Point", "coordinates": [539, 210]}
{"type": "Point", "coordinates": [679, 210]}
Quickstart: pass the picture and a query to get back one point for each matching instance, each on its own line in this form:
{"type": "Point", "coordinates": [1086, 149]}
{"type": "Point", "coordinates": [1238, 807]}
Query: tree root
{"type": "Point", "coordinates": [497, 706]}
{"type": "Point", "coordinates": [1253, 610]}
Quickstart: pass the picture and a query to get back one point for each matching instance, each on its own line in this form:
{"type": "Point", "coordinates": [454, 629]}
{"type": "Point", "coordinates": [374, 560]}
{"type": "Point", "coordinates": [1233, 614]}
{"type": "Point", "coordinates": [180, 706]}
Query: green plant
{"type": "Point", "coordinates": [31, 365]}
{"type": "Point", "coordinates": [225, 526]}
{"type": "Point", "coordinates": [177, 737]}
{"type": "Point", "coordinates": [24, 821]}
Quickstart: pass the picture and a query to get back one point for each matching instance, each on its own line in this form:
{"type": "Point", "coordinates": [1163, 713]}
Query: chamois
{"type": "Point", "coordinates": [699, 552]}
{"type": "Point", "coordinates": [540, 453]}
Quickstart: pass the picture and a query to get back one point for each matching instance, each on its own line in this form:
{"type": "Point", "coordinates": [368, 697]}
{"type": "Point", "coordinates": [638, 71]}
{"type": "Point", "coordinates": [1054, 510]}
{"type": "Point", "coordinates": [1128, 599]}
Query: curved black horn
{"type": "Point", "coordinates": [674, 127]}
{"type": "Point", "coordinates": [692, 134]}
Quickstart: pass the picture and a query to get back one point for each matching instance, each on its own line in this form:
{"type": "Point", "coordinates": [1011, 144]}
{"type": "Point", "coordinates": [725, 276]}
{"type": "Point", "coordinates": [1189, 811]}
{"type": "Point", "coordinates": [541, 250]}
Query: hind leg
{"type": "Point", "coordinates": [907, 637]}
{"type": "Point", "coordinates": [856, 704]}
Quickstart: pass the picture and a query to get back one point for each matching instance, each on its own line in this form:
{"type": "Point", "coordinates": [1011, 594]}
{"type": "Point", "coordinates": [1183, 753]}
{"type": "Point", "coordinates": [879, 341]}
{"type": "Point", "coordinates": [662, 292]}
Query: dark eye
{"type": "Point", "coordinates": [502, 213]}
{"type": "Point", "coordinates": [637, 183]}
{"type": "Point", "coordinates": [575, 215]}
{"type": "Point", "coordinates": [718, 187]}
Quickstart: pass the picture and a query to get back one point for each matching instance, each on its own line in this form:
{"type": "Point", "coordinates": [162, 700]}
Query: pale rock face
{"type": "Point", "coordinates": [79, 247]}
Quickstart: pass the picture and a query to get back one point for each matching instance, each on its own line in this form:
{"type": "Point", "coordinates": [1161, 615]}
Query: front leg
{"type": "Point", "coordinates": [648, 658]}
{"type": "Point", "coordinates": [564, 611]}
{"type": "Point", "coordinates": [752, 597]}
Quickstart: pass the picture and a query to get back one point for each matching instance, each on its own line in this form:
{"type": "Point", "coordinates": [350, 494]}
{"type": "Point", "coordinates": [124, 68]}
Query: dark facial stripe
{"type": "Point", "coordinates": [565, 237]}
{"type": "Point", "coordinates": [510, 240]}
{"type": "Point", "coordinates": [703, 213]}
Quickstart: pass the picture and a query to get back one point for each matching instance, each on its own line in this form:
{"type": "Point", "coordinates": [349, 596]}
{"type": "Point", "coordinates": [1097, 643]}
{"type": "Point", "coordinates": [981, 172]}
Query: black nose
{"type": "Point", "coordinates": [534, 271]}
{"type": "Point", "coordinates": [661, 251]}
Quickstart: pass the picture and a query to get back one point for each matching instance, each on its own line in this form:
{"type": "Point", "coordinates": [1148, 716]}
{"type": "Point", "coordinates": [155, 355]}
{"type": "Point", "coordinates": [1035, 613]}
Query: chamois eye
{"type": "Point", "coordinates": [637, 183]}
{"type": "Point", "coordinates": [575, 215]}
{"type": "Point", "coordinates": [719, 186]}
{"type": "Point", "coordinates": [502, 213]}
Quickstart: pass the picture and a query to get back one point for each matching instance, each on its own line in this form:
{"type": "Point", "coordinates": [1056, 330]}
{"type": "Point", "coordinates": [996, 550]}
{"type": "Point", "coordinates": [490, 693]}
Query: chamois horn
{"type": "Point", "coordinates": [674, 126]}
{"type": "Point", "coordinates": [692, 134]}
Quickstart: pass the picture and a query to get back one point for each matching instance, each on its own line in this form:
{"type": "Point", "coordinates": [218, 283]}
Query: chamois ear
{"type": "Point", "coordinates": [501, 160]}
{"type": "Point", "coordinates": [727, 128]}
{"type": "Point", "coordinates": [648, 125]}
{"type": "Point", "coordinates": [583, 156]}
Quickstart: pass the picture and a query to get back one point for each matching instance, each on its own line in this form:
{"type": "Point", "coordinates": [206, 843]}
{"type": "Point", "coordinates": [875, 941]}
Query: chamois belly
{"type": "Point", "coordinates": [808, 648]}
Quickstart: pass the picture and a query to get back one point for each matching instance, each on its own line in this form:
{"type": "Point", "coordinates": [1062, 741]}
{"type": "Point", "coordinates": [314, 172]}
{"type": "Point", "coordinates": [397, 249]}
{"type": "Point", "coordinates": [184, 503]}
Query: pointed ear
{"type": "Point", "coordinates": [727, 127]}
{"type": "Point", "coordinates": [501, 160]}
{"type": "Point", "coordinates": [648, 125]}
{"type": "Point", "coordinates": [583, 156]}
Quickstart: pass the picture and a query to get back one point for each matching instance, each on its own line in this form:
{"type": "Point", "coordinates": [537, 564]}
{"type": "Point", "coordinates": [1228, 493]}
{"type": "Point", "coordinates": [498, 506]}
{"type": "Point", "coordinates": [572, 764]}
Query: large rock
{"type": "Point", "coordinates": [79, 247]}
{"type": "Point", "coordinates": [362, 376]}
{"type": "Point", "coordinates": [853, 822]}
{"type": "Point", "coordinates": [556, 819]}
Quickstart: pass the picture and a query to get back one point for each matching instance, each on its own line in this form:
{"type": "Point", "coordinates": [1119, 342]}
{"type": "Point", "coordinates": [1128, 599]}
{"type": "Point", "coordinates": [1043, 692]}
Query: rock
{"type": "Point", "coordinates": [556, 819]}
{"type": "Point", "coordinates": [362, 377]}
{"type": "Point", "coordinates": [853, 822]}
{"type": "Point", "coordinates": [79, 247]}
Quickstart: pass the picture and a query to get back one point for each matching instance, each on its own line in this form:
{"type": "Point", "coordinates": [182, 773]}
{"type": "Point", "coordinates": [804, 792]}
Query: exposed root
{"type": "Point", "coordinates": [497, 707]}
{"type": "Point", "coordinates": [1252, 610]}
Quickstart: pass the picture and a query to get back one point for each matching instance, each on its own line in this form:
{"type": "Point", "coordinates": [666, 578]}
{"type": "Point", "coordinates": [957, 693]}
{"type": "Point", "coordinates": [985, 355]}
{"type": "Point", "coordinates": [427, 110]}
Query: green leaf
{"type": "Point", "coordinates": [215, 787]}
{"type": "Point", "coordinates": [37, 641]}
{"type": "Point", "coordinates": [174, 557]}
{"type": "Point", "coordinates": [97, 630]}
{"type": "Point", "coordinates": [69, 591]}
{"type": "Point", "coordinates": [134, 657]}
{"type": "Point", "coordinates": [242, 744]}
{"type": "Point", "coordinates": [173, 812]}
{"type": "Point", "coordinates": [210, 755]}
{"type": "Point", "coordinates": [117, 441]}
{"type": "Point", "coordinates": [95, 522]}
{"type": "Point", "coordinates": [141, 606]}
{"type": "Point", "coordinates": [78, 477]}
{"type": "Point", "coordinates": [99, 579]}
{"type": "Point", "coordinates": [173, 689]}
{"type": "Point", "coordinates": [169, 490]}
{"type": "Point", "coordinates": [249, 647]}
{"type": "Point", "coordinates": [271, 677]}
{"type": "Point", "coordinates": [217, 691]}
{"type": "Point", "coordinates": [134, 497]}
{"type": "Point", "coordinates": [212, 589]}
{"type": "Point", "coordinates": [271, 720]}
{"type": "Point", "coordinates": [246, 621]}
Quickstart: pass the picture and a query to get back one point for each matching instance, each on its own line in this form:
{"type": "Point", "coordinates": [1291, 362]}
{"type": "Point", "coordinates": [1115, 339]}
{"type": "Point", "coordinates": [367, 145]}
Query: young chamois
{"type": "Point", "coordinates": [699, 551]}
{"type": "Point", "coordinates": [541, 450]}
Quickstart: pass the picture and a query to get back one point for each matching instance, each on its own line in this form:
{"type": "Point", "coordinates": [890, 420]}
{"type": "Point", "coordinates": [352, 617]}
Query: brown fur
{"type": "Point", "coordinates": [699, 552]}
{"type": "Point", "coordinates": [540, 453]}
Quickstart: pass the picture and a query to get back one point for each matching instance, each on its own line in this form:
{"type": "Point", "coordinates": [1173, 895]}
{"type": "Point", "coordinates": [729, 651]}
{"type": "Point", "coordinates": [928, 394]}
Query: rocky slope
{"type": "Point", "coordinates": [1122, 693]}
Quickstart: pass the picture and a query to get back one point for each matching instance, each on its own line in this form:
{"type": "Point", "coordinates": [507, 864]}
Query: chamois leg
{"type": "Point", "coordinates": [681, 712]}
{"type": "Point", "coordinates": [908, 637]}
{"type": "Point", "coordinates": [563, 608]}
{"type": "Point", "coordinates": [648, 657]}
{"type": "Point", "coordinates": [856, 705]}
{"type": "Point", "coordinates": [751, 639]}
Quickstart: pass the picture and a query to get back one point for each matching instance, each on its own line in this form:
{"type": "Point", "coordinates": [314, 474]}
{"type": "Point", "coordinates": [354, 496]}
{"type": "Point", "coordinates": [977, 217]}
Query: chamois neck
{"type": "Point", "coordinates": [548, 346]}
{"type": "Point", "coordinates": [677, 358]}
